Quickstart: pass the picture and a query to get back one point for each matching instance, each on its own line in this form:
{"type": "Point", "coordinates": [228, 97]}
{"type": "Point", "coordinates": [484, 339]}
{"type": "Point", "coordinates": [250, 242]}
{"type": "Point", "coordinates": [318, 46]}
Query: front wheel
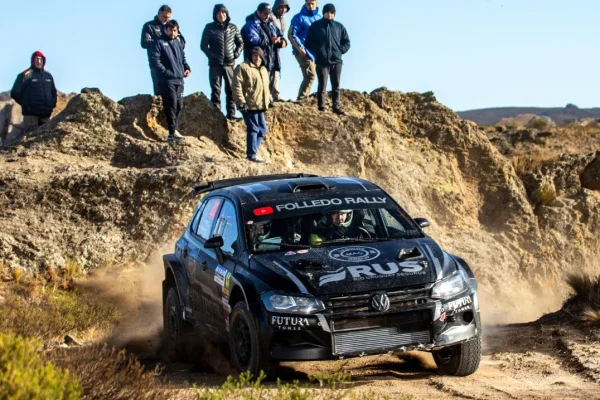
{"type": "Point", "coordinates": [175, 328]}
{"type": "Point", "coordinates": [459, 360]}
{"type": "Point", "coordinates": [246, 353]}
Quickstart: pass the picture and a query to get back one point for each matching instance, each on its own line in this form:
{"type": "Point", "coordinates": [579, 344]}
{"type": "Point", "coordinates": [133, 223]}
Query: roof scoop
{"type": "Point", "coordinates": [408, 253]}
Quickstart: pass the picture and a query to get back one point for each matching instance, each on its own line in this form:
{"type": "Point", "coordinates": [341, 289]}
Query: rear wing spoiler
{"type": "Point", "coordinates": [207, 187]}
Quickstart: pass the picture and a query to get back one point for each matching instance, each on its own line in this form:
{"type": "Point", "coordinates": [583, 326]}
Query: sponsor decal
{"type": "Point", "coordinates": [330, 202]}
{"type": "Point", "coordinates": [220, 274]}
{"type": "Point", "coordinates": [354, 254]}
{"type": "Point", "coordinates": [443, 317]}
{"type": "Point", "coordinates": [462, 304]}
{"type": "Point", "coordinates": [303, 251]}
{"type": "Point", "coordinates": [263, 211]}
{"type": "Point", "coordinates": [290, 253]}
{"type": "Point", "coordinates": [376, 271]}
{"type": "Point", "coordinates": [290, 323]}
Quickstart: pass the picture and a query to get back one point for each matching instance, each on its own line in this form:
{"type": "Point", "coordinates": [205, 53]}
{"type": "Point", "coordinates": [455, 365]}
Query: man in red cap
{"type": "Point", "coordinates": [34, 90]}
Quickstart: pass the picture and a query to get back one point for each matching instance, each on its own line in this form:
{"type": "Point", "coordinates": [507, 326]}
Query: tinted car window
{"type": "Point", "coordinates": [230, 230]}
{"type": "Point", "coordinates": [209, 214]}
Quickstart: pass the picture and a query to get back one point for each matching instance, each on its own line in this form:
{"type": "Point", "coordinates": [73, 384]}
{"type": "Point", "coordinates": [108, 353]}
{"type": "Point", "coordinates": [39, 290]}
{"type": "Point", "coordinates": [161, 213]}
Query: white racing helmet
{"type": "Point", "coordinates": [348, 218]}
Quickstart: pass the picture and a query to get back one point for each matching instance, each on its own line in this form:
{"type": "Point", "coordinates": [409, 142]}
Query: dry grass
{"type": "Point", "coordinates": [533, 161]}
{"type": "Point", "coordinates": [544, 194]}
{"type": "Point", "coordinates": [587, 295]}
{"type": "Point", "coordinates": [106, 373]}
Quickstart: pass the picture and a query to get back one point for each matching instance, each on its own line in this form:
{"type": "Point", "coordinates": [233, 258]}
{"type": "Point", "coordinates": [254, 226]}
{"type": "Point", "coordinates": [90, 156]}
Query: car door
{"type": "Point", "coordinates": [227, 227]}
{"type": "Point", "coordinates": [199, 262]}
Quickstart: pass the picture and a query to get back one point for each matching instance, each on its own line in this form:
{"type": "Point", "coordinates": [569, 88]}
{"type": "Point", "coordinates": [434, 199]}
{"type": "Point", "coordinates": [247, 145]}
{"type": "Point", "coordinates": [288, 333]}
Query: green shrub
{"type": "Point", "coordinates": [25, 375]}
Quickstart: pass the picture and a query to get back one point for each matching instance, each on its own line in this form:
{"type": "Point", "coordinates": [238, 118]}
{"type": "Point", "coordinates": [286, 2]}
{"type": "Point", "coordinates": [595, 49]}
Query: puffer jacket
{"type": "Point", "coordinates": [281, 23]}
{"type": "Point", "coordinates": [168, 57]}
{"type": "Point", "coordinates": [251, 86]}
{"type": "Point", "coordinates": [35, 91]}
{"type": "Point", "coordinates": [222, 43]}
{"type": "Point", "coordinates": [258, 34]}
{"type": "Point", "coordinates": [328, 41]}
{"type": "Point", "coordinates": [299, 29]}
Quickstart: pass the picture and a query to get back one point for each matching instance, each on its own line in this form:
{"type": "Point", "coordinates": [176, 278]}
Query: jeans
{"type": "Point", "coordinates": [215, 75]}
{"type": "Point", "coordinates": [256, 130]}
{"type": "Point", "coordinates": [172, 99]}
{"type": "Point", "coordinates": [323, 73]}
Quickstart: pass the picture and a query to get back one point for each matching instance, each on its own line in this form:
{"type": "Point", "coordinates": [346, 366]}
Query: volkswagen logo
{"type": "Point", "coordinates": [380, 302]}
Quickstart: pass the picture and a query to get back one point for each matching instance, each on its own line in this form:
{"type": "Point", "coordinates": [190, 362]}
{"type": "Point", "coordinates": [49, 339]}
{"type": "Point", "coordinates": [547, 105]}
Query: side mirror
{"type": "Point", "coordinates": [215, 242]}
{"type": "Point", "coordinates": [423, 222]}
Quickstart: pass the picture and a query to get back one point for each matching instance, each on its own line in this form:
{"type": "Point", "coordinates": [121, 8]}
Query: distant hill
{"type": "Point", "coordinates": [490, 116]}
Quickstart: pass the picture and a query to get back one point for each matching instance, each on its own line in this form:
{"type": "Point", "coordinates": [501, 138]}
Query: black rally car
{"type": "Point", "coordinates": [299, 267]}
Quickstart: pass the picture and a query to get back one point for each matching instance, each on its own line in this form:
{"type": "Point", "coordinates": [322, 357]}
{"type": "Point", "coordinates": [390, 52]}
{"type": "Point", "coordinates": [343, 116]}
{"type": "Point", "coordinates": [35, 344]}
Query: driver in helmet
{"type": "Point", "coordinates": [336, 226]}
{"type": "Point", "coordinates": [257, 232]}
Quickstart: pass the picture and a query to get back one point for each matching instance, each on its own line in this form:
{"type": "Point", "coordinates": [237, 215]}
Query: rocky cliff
{"type": "Point", "coordinates": [99, 185]}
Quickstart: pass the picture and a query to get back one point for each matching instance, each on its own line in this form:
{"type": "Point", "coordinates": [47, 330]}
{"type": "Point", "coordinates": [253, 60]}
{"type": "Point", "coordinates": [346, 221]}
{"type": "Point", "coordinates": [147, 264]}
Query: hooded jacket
{"type": "Point", "coordinates": [299, 29]}
{"type": "Point", "coordinates": [35, 91]}
{"type": "Point", "coordinates": [328, 41]}
{"type": "Point", "coordinates": [281, 23]}
{"type": "Point", "coordinates": [221, 42]}
{"type": "Point", "coordinates": [168, 58]}
{"type": "Point", "coordinates": [257, 33]}
{"type": "Point", "coordinates": [251, 86]}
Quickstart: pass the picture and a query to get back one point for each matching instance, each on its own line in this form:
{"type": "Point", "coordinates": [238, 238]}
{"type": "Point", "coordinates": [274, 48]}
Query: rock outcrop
{"type": "Point", "coordinates": [99, 185]}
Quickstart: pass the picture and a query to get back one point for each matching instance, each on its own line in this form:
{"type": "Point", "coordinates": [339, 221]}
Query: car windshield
{"type": "Point", "coordinates": [301, 228]}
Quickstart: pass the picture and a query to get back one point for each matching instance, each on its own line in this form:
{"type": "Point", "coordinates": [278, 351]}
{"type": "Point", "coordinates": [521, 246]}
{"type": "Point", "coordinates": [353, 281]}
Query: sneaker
{"type": "Point", "coordinates": [233, 118]}
{"type": "Point", "coordinates": [173, 138]}
{"type": "Point", "coordinates": [322, 109]}
{"type": "Point", "coordinates": [338, 111]}
{"type": "Point", "coordinates": [178, 135]}
{"type": "Point", "coordinates": [256, 160]}
{"type": "Point", "coordinates": [279, 100]}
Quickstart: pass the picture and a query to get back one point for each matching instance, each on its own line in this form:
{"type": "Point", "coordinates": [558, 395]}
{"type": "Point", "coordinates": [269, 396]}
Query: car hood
{"type": "Point", "coordinates": [358, 268]}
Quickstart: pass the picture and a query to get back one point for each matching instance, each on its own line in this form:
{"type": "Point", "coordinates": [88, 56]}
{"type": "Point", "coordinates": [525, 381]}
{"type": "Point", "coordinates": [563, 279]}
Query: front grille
{"type": "Point", "coordinates": [408, 321]}
{"type": "Point", "coordinates": [352, 305]}
{"type": "Point", "coordinates": [369, 340]}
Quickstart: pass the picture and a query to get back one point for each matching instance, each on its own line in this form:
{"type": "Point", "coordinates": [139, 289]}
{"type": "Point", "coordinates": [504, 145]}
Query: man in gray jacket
{"type": "Point", "coordinates": [280, 8]}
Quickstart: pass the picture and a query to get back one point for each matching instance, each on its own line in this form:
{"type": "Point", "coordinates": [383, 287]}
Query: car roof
{"type": "Point", "coordinates": [259, 191]}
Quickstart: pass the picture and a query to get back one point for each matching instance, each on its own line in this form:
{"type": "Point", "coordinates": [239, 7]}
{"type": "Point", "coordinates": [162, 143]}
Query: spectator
{"type": "Point", "coordinates": [260, 31]}
{"type": "Point", "coordinates": [34, 90]}
{"type": "Point", "coordinates": [280, 8]}
{"type": "Point", "coordinates": [151, 32]}
{"type": "Point", "coordinates": [297, 35]}
{"type": "Point", "coordinates": [222, 44]}
{"type": "Point", "coordinates": [328, 40]}
{"type": "Point", "coordinates": [252, 96]}
{"type": "Point", "coordinates": [168, 58]}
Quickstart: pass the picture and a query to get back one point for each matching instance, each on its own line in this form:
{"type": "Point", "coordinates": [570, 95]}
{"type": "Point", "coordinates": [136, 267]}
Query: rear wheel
{"type": "Point", "coordinates": [459, 360]}
{"type": "Point", "coordinates": [175, 328]}
{"type": "Point", "coordinates": [246, 354]}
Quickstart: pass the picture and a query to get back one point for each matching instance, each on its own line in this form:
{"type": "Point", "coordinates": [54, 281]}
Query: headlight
{"type": "Point", "coordinates": [449, 287]}
{"type": "Point", "coordinates": [288, 304]}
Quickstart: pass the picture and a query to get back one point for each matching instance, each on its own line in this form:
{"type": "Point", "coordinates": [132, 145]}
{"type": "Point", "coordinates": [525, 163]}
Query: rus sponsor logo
{"type": "Point", "coordinates": [375, 271]}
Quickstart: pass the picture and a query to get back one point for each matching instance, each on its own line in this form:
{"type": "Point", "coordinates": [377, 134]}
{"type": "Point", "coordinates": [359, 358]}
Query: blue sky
{"type": "Point", "coordinates": [471, 53]}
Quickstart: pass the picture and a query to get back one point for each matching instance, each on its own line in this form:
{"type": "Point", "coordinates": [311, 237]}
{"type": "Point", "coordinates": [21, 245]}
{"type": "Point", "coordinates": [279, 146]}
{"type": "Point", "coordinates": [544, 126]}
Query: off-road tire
{"type": "Point", "coordinates": [174, 327]}
{"type": "Point", "coordinates": [460, 360]}
{"type": "Point", "coordinates": [243, 328]}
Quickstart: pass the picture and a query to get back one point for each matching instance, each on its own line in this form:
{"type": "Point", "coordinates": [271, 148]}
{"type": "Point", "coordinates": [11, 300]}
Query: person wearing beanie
{"type": "Point", "coordinates": [35, 92]}
{"type": "Point", "coordinates": [168, 58]}
{"type": "Point", "coordinates": [253, 98]}
{"type": "Point", "coordinates": [222, 43]}
{"type": "Point", "coordinates": [260, 31]}
{"type": "Point", "coordinates": [328, 40]}
{"type": "Point", "coordinates": [299, 26]}
{"type": "Point", "coordinates": [280, 8]}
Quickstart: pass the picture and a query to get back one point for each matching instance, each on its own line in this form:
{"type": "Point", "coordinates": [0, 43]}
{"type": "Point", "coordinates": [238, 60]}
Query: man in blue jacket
{"type": "Point", "coordinates": [260, 31]}
{"type": "Point", "coordinates": [297, 35]}
{"type": "Point", "coordinates": [328, 41]}
{"type": "Point", "coordinates": [168, 58]}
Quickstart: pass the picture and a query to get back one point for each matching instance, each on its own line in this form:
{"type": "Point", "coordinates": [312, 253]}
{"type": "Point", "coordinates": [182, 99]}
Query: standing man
{"type": "Point", "coordinates": [260, 31]}
{"type": "Point", "coordinates": [168, 58]}
{"type": "Point", "coordinates": [151, 32]}
{"type": "Point", "coordinates": [280, 8]}
{"type": "Point", "coordinates": [328, 40]}
{"type": "Point", "coordinates": [222, 44]}
{"type": "Point", "coordinates": [35, 92]}
{"type": "Point", "coordinates": [252, 96]}
{"type": "Point", "coordinates": [297, 35]}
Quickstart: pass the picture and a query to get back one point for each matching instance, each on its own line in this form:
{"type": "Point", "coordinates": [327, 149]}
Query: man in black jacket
{"type": "Point", "coordinates": [328, 41]}
{"type": "Point", "coordinates": [35, 91]}
{"type": "Point", "coordinates": [222, 44]}
{"type": "Point", "coordinates": [151, 32]}
{"type": "Point", "coordinates": [168, 58]}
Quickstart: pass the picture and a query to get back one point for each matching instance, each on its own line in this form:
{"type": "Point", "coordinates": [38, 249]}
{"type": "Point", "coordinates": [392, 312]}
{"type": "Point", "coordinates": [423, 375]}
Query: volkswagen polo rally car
{"type": "Point", "coordinates": [300, 267]}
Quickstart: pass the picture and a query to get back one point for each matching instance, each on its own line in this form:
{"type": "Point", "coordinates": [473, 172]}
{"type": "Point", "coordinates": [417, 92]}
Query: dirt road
{"type": "Point", "coordinates": [520, 362]}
